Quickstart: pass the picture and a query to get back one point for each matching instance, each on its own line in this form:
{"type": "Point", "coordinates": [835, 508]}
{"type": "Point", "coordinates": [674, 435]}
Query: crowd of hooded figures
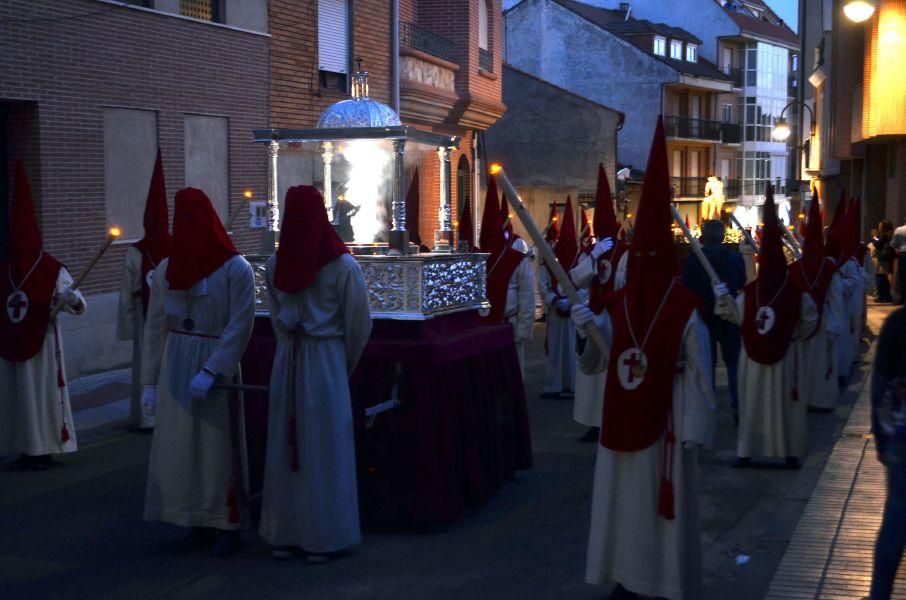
{"type": "Point", "coordinates": [643, 383]}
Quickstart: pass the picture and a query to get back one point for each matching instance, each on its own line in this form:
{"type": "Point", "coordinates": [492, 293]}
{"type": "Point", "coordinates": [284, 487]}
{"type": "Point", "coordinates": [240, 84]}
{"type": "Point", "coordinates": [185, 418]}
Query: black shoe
{"type": "Point", "coordinates": [549, 395]}
{"type": "Point", "coordinates": [792, 463]}
{"type": "Point", "coordinates": [591, 435]}
{"type": "Point", "coordinates": [198, 538]}
{"type": "Point", "coordinates": [144, 430]}
{"type": "Point", "coordinates": [566, 394]}
{"type": "Point", "coordinates": [621, 593]}
{"type": "Point", "coordinates": [743, 462]}
{"type": "Point", "coordinates": [226, 543]}
{"type": "Point", "coordinates": [820, 410]}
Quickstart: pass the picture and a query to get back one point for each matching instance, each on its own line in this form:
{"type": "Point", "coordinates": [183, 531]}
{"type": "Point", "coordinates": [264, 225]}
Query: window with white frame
{"type": "Point", "coordinates": [676, 49]}
{"type": "Point", "coordinates": [483, 24]}
{"type": "Point", "coordinates": [691, 53]}
{"type": "Point", "coordinates": [660, 45]}
{"type": "Point", "coordinates": [333, 36]}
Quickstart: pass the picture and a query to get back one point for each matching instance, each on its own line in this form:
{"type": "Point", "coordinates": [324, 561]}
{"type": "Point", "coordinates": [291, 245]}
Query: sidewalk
{"type": "Point", "coordinates": [100, 403]}
{"type": "Point", "coordinates": [830, 554]}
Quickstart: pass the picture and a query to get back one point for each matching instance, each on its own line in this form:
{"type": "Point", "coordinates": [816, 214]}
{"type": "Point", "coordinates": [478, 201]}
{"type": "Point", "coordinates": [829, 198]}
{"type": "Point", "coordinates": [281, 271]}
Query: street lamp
{"type": "Point", "coordinates": [781, 129]}
{"type": "Point", "coordinates": [859, 10]}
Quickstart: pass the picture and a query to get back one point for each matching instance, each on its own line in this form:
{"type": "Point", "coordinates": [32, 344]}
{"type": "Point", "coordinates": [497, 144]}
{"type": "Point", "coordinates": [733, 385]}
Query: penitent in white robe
{"type": "Point", "coordinates": [629, 542]}
{"type": "Point", "coordinates": [192, 478]}
{"type": "Point", "coordinates": [520, 307]}
{"type": "Point", "coordinates": [588, 403]}
{"type": "Point", "coordinates": [771, 422]}
{"type": "Point", "coordinates": [818, 385]}
{"type": "Point", "coordinates": [858, 303]}
{"type": "Point", "coordinates": [560, 374]}
{"type": "Point", "coordinates": [321, 333]}
{"type": "Point", "coordinates": [130, 326]}
{"type": "Point", "coordinates": [33, 408]}
{"type": "Point", "coordinates": [845, 346]}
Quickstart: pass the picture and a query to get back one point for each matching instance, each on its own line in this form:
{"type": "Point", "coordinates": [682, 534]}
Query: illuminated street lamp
{"type": "Point", "coordinates": [859, 10]}
{"type": "Point", "coordinates": [781, 129]}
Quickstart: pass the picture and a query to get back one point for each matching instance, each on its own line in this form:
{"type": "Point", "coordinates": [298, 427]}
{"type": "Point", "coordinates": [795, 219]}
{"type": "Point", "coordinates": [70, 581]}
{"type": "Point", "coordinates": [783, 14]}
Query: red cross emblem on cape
{"type": "Point", "coordinates": [17, 306]}
{"type": "Point", "coordinates": [26, 314]}
{"type": "Point", "coordinates": [764, 319]}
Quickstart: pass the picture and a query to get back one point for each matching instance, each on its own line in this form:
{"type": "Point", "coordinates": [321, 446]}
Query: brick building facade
{"type": "Point", "coordinates": [86, 83]}
{"type": "Point", "coordinates": [90, 88]}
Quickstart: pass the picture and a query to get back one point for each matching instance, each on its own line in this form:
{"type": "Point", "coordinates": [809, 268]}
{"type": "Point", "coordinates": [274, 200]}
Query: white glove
{"type": "Point", "coordinates": [720, 290]}
{"type": "Point", "coordinates": [70, 297]}
{"type": "Point", "coordinates": [581, 316]}
{"type": "Point", "coordinates": [200, 385]}
{"type": "Point", "coordinates": [149, 400]}
{"type": "Point", "coordinates": [601, 247]}
{"type": "Point", "coordinates": [563, 304]}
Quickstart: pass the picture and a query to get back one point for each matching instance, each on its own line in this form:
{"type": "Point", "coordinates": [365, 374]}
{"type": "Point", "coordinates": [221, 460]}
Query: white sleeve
{"type": "Point", "coordinates": [698, 405]}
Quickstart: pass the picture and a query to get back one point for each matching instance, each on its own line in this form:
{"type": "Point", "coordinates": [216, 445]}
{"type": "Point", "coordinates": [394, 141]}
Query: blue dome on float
{"type": "Point", "coordinates": [360, 111]}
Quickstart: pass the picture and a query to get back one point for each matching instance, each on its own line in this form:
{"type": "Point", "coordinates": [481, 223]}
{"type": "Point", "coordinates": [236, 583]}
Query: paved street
{"type": "Point", "coordinates": [76, 531]}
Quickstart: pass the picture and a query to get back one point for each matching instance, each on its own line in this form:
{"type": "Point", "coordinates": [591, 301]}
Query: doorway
{"type": "Point", "coordinates": [463, 185]}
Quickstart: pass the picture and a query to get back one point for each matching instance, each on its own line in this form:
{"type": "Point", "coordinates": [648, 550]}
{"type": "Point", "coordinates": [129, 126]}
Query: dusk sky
{"type": "Point", "coordinates": [788, 10]}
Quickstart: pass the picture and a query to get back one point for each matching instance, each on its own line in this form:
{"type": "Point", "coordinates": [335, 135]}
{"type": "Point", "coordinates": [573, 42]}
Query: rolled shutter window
{"type": "Point", "coordinates": [333, 36]}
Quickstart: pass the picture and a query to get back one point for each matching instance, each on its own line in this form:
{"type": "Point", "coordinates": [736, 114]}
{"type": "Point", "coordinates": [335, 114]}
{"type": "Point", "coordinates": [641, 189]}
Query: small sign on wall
{"type": "Point", "coordinates": [258, 214]}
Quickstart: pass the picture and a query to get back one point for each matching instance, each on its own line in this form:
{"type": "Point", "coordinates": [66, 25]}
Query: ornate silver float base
{"type": "Point", "coordinates": [413, 288]}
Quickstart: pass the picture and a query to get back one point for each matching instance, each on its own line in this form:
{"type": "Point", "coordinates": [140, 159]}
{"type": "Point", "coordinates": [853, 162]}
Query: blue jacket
{"type": "Point", "coordinates": [729, 267]}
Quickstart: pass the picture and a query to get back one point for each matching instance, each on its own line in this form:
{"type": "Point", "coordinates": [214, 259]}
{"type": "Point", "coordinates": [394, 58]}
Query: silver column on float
{"type": "Point", "coordinates": [327, 156]}
{"type": "Point", "coordinates": [269, 237]}
{"type": "Point", "coordinates": [399, 236]}
{"type": "Point", "coordinates": [443, 238]}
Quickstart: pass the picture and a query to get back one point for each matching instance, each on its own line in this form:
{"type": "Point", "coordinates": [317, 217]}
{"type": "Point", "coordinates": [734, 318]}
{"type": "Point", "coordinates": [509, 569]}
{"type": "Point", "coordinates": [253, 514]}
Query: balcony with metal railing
{"type": "Point", "coordinates": [419, 38]}
{"type": "Point", "coordinates": [730, 133]}
{"type": "Point", "coordinates": [684, 187]}
{"type": "Point", "coordinates": [686, 127]}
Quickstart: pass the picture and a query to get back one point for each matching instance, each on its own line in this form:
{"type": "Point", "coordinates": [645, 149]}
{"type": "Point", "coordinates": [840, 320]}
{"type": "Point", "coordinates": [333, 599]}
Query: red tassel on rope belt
{"type": "Point", "coordinates": [666, 497]}
{"type": "Point", "coordinates": [291, 433]}
{"type": "Point", "coordinates": [61, 383]}
{"type": "Point", "coordinates": [830, 358]}
{"type": "Point", "coordinates": [233, 499]}
{"type": "Point", "coordinates": [795, 375]}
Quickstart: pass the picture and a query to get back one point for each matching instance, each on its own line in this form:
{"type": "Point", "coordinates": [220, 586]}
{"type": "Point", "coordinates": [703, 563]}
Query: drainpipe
{"type": "Point", "coordinates": [395, 55]}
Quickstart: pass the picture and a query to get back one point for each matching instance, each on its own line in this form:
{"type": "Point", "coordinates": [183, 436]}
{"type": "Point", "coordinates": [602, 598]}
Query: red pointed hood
{"type": "Point", "coordinates": [466, 231]}
{"type": "Point", "coordinates": [584, 231]}
{"type": "Point", "coordinates": [854, 227]}
{"type": "Point", "coordinates": [491, 236]}
{"type": "Point", "coordinates": [307, 240]}
{"type": "Point", "coordinates": [652, 258]}
{"type": "Point", "coordinates": [200, 244]}
{"type": "Point", "coordinates": [413, 199]}
{"type": "Point", "coordinates": [507, 222]}
{"type": "Point", "coordinates": [567, 244]}
{"type": "Point", "coordinates": [772, 267]}
{"type": "Point", "coordinates": [157, 241]}
{"type": "Point", "coordinates": [813, 251]}
{"type": "Point", "coordinates": [24, 236]}
{"type": "Point", "coordinates": [553, 230]}
{"type": "Point", "coordinates": [605, 219]}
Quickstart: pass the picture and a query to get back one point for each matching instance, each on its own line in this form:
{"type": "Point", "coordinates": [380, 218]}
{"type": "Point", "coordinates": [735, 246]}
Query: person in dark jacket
{"type": "Point", "coordinates": [888, 421]}
{"type": "Point", "coordinates": [885, 254]}
{"type": "Point", "coordinates": [731, 269]}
